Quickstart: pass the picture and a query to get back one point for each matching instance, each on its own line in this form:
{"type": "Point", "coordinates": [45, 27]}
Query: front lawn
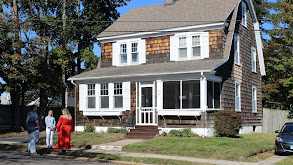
{"type": "Point", "coordinates": [287, 161]}
{"type": "Point", "coordinates": [238, 149]}
{"type": "Point", "coordinates": [10, 134]}
{"type": "Point", "coordinates": [83, 139]}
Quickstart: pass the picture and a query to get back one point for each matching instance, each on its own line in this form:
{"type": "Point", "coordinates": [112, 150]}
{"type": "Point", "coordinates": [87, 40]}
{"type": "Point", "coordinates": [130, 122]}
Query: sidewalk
{"type": "Point", "coordinates": [269, 161]}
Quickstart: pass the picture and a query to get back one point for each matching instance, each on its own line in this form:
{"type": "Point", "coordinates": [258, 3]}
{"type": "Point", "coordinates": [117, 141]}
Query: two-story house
{"type": "Point", "coordinates": [172, 65]}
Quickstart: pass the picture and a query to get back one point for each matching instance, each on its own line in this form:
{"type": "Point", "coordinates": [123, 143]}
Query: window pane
{"type": "Point", "coordinates": [104, 101]}
{"type": "Point", "coordinates": [118, 101]}
{"type": "Point", "coordinates": [147, 97]}
{"type": "Point", "coordinates": [182, 52]}
{"type": "Point", "coordinates": [210, 94]}
{"type": "Point", "coordinates": [171, 95]}
{"type": "Point", "coordinates": [191, 94]}
{"type": "Point", "coordinates": [123, 53]}
{"type": "Point", "coordinates": [134, 57]}
{"type": "Point", "coordinates": [196, 51]}
{"type": "Point", "coordinates": [182, 42]}
{"type": "Point", "coordinates": [217, 94]}
{"type": "Point", "coordinates": [134, 47]}
{"type": "Point", "coordinates": [195, 40]}
{"type": "Point", "coordinates": [91, 102]}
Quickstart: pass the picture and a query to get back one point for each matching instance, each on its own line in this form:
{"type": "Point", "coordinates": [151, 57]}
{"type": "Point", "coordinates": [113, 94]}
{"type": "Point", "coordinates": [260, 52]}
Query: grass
{"type": "Point", "coordinates": [10, 134]}
{"type": "Point", "coordinates": [243, 148]}
{"type": "Point", "coordinates": [83, 139]}
{"type": "Point", "coordinates": [101, 156]}
{"type": "Point", "coordinates": [286, 161]}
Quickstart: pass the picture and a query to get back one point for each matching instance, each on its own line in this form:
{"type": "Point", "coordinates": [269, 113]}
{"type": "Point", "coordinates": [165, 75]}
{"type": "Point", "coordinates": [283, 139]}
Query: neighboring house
{"type": "Point", "coordinates": [172, 65]}
{"type": "Point", "coordinates": [55, 102]}
{"type": "Point", "coordinates": [5, 99]}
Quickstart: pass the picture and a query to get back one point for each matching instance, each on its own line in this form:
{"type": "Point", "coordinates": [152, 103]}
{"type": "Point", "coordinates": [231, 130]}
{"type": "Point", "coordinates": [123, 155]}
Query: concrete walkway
{"type": "Point", "coordinates": [269, 161]}
{"type": "Point", "coordinates": [116, 146]}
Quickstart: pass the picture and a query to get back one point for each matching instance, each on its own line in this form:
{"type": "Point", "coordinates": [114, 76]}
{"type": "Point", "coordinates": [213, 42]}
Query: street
{"type": "Point", "coordinates": [7, 157]}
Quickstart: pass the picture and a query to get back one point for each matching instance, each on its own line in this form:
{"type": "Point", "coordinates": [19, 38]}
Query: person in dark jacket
{"type": "Point", "coordinates": [33, 126]}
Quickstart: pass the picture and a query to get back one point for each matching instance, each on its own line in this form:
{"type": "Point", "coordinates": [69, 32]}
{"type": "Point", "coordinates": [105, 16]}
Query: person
{"type": "Point", "coordinates": [50, 128]}
{"type": "Point", "coordinates": [33, 126]}
{"type": "Point", "coordinates": [65, 127]}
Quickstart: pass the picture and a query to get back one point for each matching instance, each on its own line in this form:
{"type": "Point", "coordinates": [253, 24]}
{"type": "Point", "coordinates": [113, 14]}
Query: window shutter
{"type": "Point", "coordinates": [142, 52]}
{"type": "Point", "coordinates": [174, 43]}
{"type": "Point", "coordinates": [82, 97]}
{"type": "Point", "coordinates": [115, 54]}
{"type": "Point", "coordinates": [205, 48]}
{"type": "Point", "coordinates": [126, 95]}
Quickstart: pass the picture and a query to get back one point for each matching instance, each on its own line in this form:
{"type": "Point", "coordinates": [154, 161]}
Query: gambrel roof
{"type": "Point", "coordinates": [160, 17]}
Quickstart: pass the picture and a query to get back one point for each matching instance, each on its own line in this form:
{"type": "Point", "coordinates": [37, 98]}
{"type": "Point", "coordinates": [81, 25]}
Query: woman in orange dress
{"type": "Point", "coordinates": [65, 127]}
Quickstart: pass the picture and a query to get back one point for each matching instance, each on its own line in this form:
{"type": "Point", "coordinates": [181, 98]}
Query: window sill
{"type": "Point", "coordinates": [254, 72]}
{"type": "Point", "coordinates": [239, 65]}
{"type": "Point", "coordinates": [237, 110]}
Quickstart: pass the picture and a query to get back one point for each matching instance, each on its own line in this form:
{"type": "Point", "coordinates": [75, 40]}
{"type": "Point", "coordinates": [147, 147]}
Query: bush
{"type": "Point", "coordinates": [115, 130]}
{"type": "Point", "coordinates": [180, 133]}
{"type": "Point", "coordinates": [227, 123]}
{"type": "Point", "coordinates": [89, 128]}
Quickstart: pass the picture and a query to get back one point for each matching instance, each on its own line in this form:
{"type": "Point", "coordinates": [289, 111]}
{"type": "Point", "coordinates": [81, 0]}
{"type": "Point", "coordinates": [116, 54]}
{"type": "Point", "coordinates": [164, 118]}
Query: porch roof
{"type": "Point", "coordinates": [170, 68]}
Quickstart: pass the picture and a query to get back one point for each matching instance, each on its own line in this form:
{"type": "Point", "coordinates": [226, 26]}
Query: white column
{"type": "Point", "coordinates": [159, 95]}
{"type": "Point", "coordinates": [203, 93]}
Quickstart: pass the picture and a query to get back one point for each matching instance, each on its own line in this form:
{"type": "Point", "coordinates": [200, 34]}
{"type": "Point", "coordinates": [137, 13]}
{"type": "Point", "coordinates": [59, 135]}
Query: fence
{"type": "Point", "coordinates": [274, 119]}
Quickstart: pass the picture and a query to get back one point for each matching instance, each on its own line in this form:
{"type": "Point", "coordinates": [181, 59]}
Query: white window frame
{"type": "Point", "coordinates": [141, 52]}
{"type": "Point", "coordinates": [213, 97]}
{"type": "Point", "coordinates": [184, 46]}
{"type": "Point", "coordinates": [117, 93]}
{"type": "Point", "coordinates": [91, 93]}
{"type": "Point", "coordinates": [175, 46]}
{"type": "Point", "coordinates": [104, 95]}
{"type": "Point", "coordinates": [253, 59]}
{"type": "Point", "coordinates": [236, 50]}
{"type": "Point", "coordinates": [196, 45]}
{"type": "Point", "coordinates": [254, 99]}
{"type": "Point", "coordinates": [121, 53]}
{"type": "Point", "coordinates": [237, 98]}
{"type": "Point", "coordinates": [244, 14]}
{"type": "Point", "coordinates": [134, 52]}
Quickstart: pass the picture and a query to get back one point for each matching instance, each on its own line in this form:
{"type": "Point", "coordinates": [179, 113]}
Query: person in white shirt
{"type": "Point", "coordinates": [50, 128]}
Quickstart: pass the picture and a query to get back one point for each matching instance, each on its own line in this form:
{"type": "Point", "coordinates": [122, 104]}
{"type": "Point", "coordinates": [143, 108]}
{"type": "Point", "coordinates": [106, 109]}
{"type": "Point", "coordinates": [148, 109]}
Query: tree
{"type": "Point", "coordinates": [278, 84]}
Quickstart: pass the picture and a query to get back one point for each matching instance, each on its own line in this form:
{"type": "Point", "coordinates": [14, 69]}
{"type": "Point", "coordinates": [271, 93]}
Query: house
{"type": "Point", "coordinates": [54, 102]}
{"type": "Point", "coordinates": [173, 65]}
{"type": "Point", "coordinates": [5, 99]}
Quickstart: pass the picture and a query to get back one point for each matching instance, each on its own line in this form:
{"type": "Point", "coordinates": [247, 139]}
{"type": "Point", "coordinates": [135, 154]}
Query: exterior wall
{"type": "Point", "coordinates": [243, 74]}
{"type": "Point", "coordinates": [106, 52]}
{"type": "Point", "coordinates": [216, 43]}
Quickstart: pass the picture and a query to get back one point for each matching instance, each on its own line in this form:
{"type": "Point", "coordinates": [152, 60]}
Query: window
{"type": "Point", "coordinates": [181, 94]}
{"type": "Point", "coordinates": [236, 50]}
{"type": "Point", "coordinates": [91, 99]}
{"type": "Point", "coordinates": [129, 52]}
{"type": "Point", "coordinates": [104, 96]}
{"type": "Point", "coordinates": [254, 100]}
{"type": "Point", "coordinates": [214, 95]}
{"type": "Point", "coordinates": [253, 59]}
{"type": "Point", "coordinates": [237, 97]}
{"type": "Point", "coordinates": [134, 52]}
{"type": "Point", "coordinates": [182, 47]}
{"type": "Point", "coordinates": [189, 46]}
{"type": "Point", "coordinates": [196, 46]}
{"type": "Point", "coordinates": [123, 53]}
{"type": "Point", "coordinates": [118, 96]}
{"type": "Point", "coordinates": [244, 16]}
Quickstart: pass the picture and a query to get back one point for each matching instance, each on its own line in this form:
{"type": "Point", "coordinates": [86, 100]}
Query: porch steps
{"type": "Point", "coordinates": [143, 132]}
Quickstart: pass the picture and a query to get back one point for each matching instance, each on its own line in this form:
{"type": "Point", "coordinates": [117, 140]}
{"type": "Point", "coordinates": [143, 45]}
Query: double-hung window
{"type": "Point", "coordinates": [91, 98]}
{"type": "Point", "coordinates": [237, 97]}
{"type": "Point", "coordinates": [254, 100]}
{"type": "Point", "coordinates": [236, 50]}
{"type": "Point", "coordinates": [196, 46]}
{"type": "Point", "coordinates": [253, 59]}
{"type": "Point", "coordinates": [214, 95]}
{"type": "Point", "coordinates": [123, 53]}
{"type": "Point", "coordinates": [244, 15]}
{"type": "Point", "coordinates": [118, 95]}
{"type": "Point", "coordinates": [104, 96]}
{"type": "Point", "coordinates": [182, 47]}
{"type": "Point", "coordinates": [134, 52]}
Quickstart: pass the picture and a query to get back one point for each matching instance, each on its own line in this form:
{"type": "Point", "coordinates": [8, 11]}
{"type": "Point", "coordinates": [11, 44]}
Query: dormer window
{"type": "Point", "coordinates": [189, 46]}
{"type": "Point", "coordinates": [129, 52]}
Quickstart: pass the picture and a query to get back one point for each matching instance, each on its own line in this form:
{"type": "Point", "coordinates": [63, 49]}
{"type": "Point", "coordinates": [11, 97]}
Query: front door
{"type": "Point", "coordinates": [146, 109]}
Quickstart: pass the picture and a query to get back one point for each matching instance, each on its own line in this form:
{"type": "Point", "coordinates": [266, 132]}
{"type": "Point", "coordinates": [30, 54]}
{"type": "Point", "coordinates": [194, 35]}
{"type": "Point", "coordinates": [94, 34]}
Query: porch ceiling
{"type": "Point", "coordinates": [170, 68]}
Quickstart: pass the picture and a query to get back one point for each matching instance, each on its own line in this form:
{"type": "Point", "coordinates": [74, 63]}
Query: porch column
{"type": "Point", "coordinates": [203, 93]}
{"type": "Point", "coordinates": [159, 95]}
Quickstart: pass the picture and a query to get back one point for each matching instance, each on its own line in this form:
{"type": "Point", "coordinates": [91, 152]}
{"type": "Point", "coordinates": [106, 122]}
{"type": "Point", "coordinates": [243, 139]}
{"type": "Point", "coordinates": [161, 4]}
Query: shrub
{"type": "Point", "coordinates": [180, 133]}
{"type": "Point", "coordinates": [115, 130]}
{"type": "Point", "coordinates": [89, 128]}
{"type": "Point", "coordinates": [227, 123]}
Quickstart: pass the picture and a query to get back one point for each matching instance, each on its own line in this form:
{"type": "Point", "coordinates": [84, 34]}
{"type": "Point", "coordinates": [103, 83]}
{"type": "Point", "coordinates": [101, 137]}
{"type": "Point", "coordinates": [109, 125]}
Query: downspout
{"type": "Point", "coordinates": [75, 102]}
